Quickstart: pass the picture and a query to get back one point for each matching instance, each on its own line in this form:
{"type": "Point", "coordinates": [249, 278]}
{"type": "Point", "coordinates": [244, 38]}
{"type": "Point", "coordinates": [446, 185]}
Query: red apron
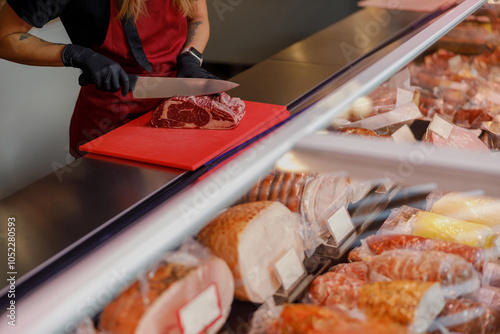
{"type": "Point", "coordinates": [163, 32]}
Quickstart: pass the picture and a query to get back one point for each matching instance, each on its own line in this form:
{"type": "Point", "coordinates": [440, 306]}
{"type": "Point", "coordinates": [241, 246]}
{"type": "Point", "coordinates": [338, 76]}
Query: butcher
{"type": "Point", "coordinates": [109, 39]}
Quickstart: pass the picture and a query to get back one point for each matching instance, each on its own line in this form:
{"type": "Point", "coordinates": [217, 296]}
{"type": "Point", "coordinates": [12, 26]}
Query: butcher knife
{"type": "Point", "coordinates": [155, 87]}
{"type": "Point", "coordinates": [158, 87]}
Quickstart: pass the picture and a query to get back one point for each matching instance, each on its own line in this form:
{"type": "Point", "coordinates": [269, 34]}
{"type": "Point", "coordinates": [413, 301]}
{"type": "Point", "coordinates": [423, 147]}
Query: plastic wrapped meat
{"type": "Point", "coordinates": [488, 295]}
{"type": "Point", "coordinates": [251, 238]}
{"type": "Point", "coordinates": [357, 270]}
{"type": "Point", "coordinates": [315, 196]}
{"type": "Point", "coordinates": [408, 220]}
{"type": "Point", "coordinates": [466, 316]}
{"type": "Point", "coordinates": [312, 319]}
{"type": "Point", "coordinates": [476, 209]}
{"type": "Point", "coordinates": [378, 244]}
{"type": "Point", "coordinates": [458, 137]}
{"type": "Point", "coordinates": [456, 275]}
{"type": "Point", "coordinates": [412, 304]}
{"type": "Point", "coordinates": [154, 303]}
{"type": "Point", "coordinates": [334, 288]}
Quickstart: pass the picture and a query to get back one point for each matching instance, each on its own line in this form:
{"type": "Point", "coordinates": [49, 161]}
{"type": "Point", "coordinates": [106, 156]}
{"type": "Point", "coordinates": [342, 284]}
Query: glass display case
{"type": "Point", "coordinates": [372, 178]}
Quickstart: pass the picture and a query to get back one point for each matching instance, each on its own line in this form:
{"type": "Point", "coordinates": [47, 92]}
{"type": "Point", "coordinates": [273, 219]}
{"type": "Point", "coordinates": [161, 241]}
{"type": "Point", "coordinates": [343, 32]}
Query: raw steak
{"type": "Point", "coordinates": [199, 112]}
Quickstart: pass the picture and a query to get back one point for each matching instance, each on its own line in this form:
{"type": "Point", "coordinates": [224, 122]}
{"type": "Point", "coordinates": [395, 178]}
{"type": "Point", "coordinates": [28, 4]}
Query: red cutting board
{"type": "Point", "coordinates": [183, 148]}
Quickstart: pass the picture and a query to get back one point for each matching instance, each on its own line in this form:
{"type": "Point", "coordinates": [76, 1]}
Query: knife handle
{"type": "Point", "coordinates": [84, 80]}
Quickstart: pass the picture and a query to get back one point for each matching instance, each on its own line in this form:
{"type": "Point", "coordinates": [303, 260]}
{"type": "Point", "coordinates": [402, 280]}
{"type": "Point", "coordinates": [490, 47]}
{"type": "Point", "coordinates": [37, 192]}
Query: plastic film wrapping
{"type": "Point", "coordinates": [465, 316]}
{"type": "Point", "coordinates": [305, 318]}
{"type": "Point", "coordinates": [483, 210]}
{"type": "Point", "coordinates": [156, 301]}
{"type": "Point", "coordinates": [252, 238]}
{"type": "Point", "coordinates": [456, 275]}
{"type": "Point", "coordinates": [408, 220]}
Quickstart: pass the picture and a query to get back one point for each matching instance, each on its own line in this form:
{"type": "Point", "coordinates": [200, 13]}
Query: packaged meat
{"type": "Point", "coordinates": [483, 210]}
{"type": "Point", "coordinates": [377, 244]}
{"type": "Point", "coordinates": [491, 274]}
{"type": "Point", "coordinates": [251, 238]}
{"type": "Point", "coordinates": [456, 275]}
{"type": "Point", "coordinates": [408, 220]}
{"type": "Point", "coordinates": [313, 319]}
{"type": "Point", "coordinates": [444, 134]}
{"type": "Point", "coordinates": [315, 196]}
{"type": "Point", "coordinates": [410, 303]}
{"type": "Point", "coordinates": [161, 300]}
{"type": "Point", "coordinates": [397, 117]}
{"type": "Point", "coordinates": [199, 112]}
{"type": "Point", "coordinates": [465, 316]}
{"type": "Point", "coordinates": [333, 288]}
{"type": "Point", "coordinates": [357, 270]}
{"type": "Point", "coordinates": [488, 295]}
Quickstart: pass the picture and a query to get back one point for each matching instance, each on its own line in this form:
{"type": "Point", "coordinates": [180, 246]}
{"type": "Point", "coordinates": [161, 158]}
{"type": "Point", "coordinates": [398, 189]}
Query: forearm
{"type": "Point", "coordinates": [24, 48]}
{"type": "Point", "coordinates": [199, 28]}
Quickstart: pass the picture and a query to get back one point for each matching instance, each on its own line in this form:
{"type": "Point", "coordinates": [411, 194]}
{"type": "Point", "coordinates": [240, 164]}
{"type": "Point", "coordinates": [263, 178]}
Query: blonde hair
{"type": "Point", "coordinates": [132, 9]}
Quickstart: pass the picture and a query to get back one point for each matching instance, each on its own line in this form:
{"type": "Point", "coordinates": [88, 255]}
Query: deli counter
{"type": "Point", "coordinates": [87, 231]}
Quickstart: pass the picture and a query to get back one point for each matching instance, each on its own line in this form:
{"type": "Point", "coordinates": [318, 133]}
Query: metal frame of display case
{"type": "Point", "coordinates": [84, 287]}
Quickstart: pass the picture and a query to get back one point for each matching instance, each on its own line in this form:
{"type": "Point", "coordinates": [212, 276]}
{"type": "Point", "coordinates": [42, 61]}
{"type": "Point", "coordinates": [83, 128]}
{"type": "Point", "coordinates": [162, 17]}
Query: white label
{"type": "Point", "coordinates": [497, 243]}
{"type": "Point", "coordinates": [403, 135]}
{"type": "Point", "coordinates": [441, 126]}
{"type": "Point", "coordinates": [201, 312]}
{"type": "Point", "coordinates": [289, 269]}
{"type": "Point", "coordinates": [493, 96]}
{"type": "Point", "coordinates": [340, 225]}
{"type": "Point", "coordinates": [403, 97]}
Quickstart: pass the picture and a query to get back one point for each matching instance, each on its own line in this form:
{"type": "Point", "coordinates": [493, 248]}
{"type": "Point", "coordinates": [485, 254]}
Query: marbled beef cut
{"type": "Point", "coordinates": [199, 112]}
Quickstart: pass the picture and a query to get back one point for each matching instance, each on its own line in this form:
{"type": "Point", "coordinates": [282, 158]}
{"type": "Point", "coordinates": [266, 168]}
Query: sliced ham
{"type": "Point", "coordinates": [251, 238]}
{"type": "Point", "coordinates": [153, 304]}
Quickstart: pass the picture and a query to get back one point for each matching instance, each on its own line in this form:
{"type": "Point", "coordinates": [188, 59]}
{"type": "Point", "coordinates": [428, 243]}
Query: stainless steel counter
{"type": "Point", "coordinates": [69, 212]}
{"type": "Point", "coordinates": [296, 70]}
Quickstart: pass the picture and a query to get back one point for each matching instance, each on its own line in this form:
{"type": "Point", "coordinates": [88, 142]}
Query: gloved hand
{"type": "Point", "coordinates": [97, 69]}
{"type": "Point", "coordinates": [188, 66]}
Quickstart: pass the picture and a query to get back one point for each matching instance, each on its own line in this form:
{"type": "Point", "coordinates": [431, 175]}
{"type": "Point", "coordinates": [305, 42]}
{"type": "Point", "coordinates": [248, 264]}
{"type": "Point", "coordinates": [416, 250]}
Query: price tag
{"type": "Point", "coordinates": [441, 126]}
{"type": "Point", "coordinates": [403, 135]}
{"type": "Point", "coordinates": [289, 269]}
{"type": "Point", "coordinates": [403, 97]}
{"type": "Point", "coordinates": [201, 312]}
{"type": "Point", "coordinates": [340, 225]}
{"type": "Point", "coordinates": [493, 97]}
{"type": "Point", "coordinates": [497, 243]}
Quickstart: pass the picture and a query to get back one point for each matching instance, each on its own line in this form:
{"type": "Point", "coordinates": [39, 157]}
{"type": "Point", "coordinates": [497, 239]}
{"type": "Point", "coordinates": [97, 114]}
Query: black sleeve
{"type": "Point", "coordinates": [38, 12]}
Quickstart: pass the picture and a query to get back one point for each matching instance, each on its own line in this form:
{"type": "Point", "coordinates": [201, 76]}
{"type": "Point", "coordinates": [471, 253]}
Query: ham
{"type": "Point", "coordinates": [251, 238]}
{"type": "Point", "coordinates": [199, 112]}
{"type": "Point", "coordinates": [156, 302]}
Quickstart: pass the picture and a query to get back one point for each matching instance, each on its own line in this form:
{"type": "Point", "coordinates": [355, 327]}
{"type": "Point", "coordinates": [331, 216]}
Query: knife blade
{"type": "Point", "coordinates": [157, 87]}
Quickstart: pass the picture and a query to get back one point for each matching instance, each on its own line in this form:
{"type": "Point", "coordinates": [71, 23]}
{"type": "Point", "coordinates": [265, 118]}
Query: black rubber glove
{"type": "Point", "coordinates": [97, 69]}
{"type": "Point", "coordinates": [188, 66]}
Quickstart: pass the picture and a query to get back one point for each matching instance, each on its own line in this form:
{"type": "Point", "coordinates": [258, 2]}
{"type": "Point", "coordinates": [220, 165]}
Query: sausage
{"type": "Point", "coordinates": [295, 195]}
{"type": "Point", "coordinates": [277, 184]}
{"type": "Point", "coordinates": [381, 243]}
{"type": "Point", "coordinates": [265, 188]}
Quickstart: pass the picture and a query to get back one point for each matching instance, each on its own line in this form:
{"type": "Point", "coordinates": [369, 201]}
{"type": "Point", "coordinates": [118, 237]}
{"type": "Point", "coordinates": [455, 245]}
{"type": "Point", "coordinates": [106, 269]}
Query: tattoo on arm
{"type": "Point", "coordinates": [192, 26]}
{"type": "Point", "coordinates": [26, 35]}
